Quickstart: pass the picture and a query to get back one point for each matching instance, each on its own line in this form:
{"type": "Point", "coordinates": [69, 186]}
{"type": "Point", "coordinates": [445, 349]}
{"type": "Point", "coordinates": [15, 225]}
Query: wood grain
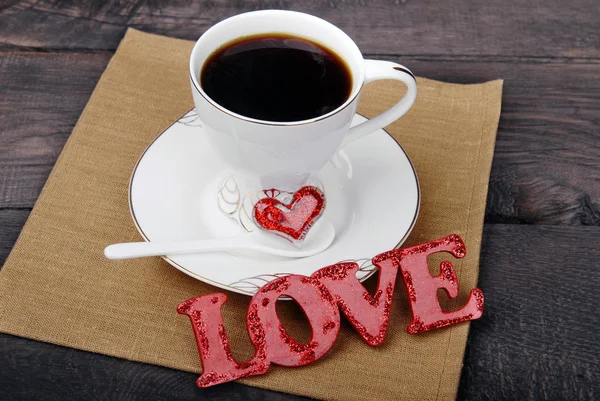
{"type": "Point", "coordinates": [11, 223]}
{"type": "Point", "coordinates": [538, 338]}
{"type": "Point", "coordinates": [546, 167]}
{"type": "Point", "coordinates": [552, 28]}
{"type": "Point", "coordinates": [42, 98]}
{"type": "Point", "coordinates": [31, 370]}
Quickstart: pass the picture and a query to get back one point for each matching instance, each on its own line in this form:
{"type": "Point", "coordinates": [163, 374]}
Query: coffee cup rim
{"type": "Point", "coordinates": [356, 86]}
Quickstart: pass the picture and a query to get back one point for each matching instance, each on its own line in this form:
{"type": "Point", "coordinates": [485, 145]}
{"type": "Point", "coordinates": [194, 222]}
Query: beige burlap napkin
{"type": "Point", "coordinates": [57, 287]}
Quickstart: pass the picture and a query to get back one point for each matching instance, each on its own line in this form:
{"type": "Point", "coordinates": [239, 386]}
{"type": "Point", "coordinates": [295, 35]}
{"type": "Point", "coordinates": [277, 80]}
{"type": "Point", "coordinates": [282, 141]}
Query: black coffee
{"type": "Point", "coordinates": [276, 77]}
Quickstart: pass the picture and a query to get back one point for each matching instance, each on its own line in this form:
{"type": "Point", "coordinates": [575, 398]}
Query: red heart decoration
{"type": "Point", "coordinates": [294, 219]}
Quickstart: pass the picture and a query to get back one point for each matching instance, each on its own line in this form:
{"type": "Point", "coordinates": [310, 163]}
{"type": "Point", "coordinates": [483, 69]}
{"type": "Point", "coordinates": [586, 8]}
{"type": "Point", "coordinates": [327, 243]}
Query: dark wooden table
{"type": "Point", "coordinates": [540, 265]}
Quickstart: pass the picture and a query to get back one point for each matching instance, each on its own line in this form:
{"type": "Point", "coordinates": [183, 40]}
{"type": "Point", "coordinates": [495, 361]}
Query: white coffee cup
{"type": "Point", "coordinates": [284, 155]}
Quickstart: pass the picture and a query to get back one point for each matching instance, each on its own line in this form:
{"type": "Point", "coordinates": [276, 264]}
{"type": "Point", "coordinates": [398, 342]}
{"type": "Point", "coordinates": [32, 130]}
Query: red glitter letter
{"type": "Point", "coordinates": [272, 342]}
{"type": "Point", "coordinates": [369, 314]}
{"type": "Point", "coordinates": [218, 365]}
{"type": "Point", "coordinates": [318, 296]}
{"type": "Point", "coordinates": [422, 288]}
{"type": "Point", "coordinates": [320, 309]}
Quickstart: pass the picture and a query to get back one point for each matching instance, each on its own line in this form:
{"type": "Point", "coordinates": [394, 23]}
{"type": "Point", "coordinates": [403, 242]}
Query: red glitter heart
{"type": "Point", "coordinates": [294, 219]}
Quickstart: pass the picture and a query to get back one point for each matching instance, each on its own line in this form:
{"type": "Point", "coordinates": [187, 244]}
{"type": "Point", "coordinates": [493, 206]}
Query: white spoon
{"type": "Point", "coordinates": [317, 240]}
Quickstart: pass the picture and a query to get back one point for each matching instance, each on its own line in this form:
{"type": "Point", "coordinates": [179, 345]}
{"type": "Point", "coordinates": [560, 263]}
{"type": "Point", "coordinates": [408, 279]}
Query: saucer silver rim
{"type": "Point", "coordinates": [238, 290]}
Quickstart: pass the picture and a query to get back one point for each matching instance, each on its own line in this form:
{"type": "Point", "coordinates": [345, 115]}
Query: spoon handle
{"type": "Point", "coordinates": [129, 250]}
{"type": "Point", "coordinates": [316, 243]}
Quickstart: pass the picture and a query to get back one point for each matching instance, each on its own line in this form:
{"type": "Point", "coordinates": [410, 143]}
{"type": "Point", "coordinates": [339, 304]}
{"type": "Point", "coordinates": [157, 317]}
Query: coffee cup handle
{"type": "Point", "coordinates": [376, 70]}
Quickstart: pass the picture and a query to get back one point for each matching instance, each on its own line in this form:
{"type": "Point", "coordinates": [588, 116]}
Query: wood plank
{"type": "Point", "coordinates": [539, 337]}
{"type": "Point", "coordinates": [552, 28]}
{"type": "Point", "coordinates": [31, 370]}
{"type": "Point", "coordinates": [546, 167]}
{"type": "Point", "coordinates": [11, 223]}
{"type": "Point", "coordinates": [42, 98]}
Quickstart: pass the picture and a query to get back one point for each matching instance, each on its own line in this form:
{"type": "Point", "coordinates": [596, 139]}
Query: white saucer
{"type": "Point", "coordinates": [372, 200]}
